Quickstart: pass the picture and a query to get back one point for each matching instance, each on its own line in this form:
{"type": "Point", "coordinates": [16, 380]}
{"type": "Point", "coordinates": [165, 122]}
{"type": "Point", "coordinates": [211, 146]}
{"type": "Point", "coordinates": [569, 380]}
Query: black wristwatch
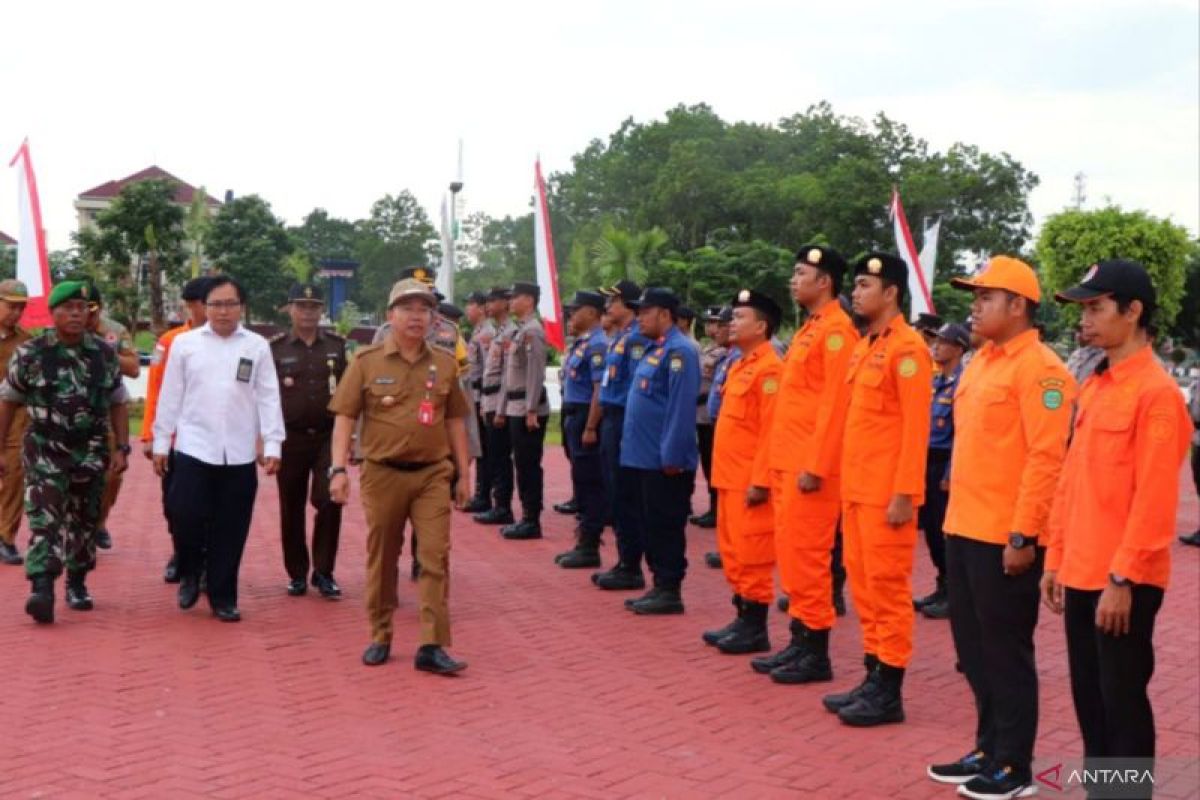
{"type": "Point", "coordinates": [124, 449]}
{"type": "Point", "coordinates": [1019, 541]}
{"type": "Point", "coordinates": [335, 471]}
{"type": "Point", "coordinates": [1119, 580]}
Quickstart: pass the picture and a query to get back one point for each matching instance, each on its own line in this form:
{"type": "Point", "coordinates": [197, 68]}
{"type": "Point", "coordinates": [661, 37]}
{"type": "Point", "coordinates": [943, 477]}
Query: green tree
{"type": "Point", "coordinates": [8, 262]}
{"type": "Point", "coordinates": [248, 242]}
{"type": "Point", "coordinates": [396, 235]}
{"type": "Point", "coordinates": [1187, 324]}
{"type": "Point", "coordinates": [322, 236]}
{"type": "Point", "coordinates": [626, 255]}
{"type": "Point", "coordinates": [196, 227]}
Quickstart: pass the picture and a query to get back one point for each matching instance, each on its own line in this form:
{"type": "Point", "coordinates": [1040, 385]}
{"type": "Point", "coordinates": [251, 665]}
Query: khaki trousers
{"type": "Point", "coordinates": [391, 498]}
{"type": "Point", "coordinates": [12, 493]}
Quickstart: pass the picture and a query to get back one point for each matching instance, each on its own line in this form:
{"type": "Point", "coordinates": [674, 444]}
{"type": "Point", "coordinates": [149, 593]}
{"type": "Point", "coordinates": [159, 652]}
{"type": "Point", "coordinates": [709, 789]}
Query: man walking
{"type": "Point", "coordinates": [13, 298]}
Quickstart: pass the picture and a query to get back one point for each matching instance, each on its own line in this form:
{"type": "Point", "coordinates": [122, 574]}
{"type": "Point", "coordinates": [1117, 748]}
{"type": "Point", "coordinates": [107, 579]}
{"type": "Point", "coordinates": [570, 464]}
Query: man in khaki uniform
{"type": "Point", "coordinates": [413, 409]}
{"type": "Point", "coordinates": [13, 297]}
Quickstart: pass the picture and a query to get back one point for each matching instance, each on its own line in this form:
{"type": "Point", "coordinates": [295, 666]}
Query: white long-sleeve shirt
{"type": "Point", "coordinates": [219, 394]}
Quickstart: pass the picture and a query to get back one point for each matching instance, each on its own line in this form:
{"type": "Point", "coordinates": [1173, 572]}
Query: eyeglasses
{"type": "Point", "coordinates": [224, 305]}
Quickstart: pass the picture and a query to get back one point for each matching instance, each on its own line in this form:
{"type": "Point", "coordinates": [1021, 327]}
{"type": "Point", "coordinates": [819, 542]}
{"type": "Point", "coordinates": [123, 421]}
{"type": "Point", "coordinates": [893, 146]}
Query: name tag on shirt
{"type": "Point", "coordinates": [245, 367]}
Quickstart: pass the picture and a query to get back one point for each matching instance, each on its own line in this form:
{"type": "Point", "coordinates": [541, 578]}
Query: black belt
{"type": "Point", "coordinates": [489, 390]}
{"type": "Point", "coordinates": [519, 394]}
{"type": "Point", "coordinates": [477, 384]}
{"type": "Point", "coordinates": [406, 466]}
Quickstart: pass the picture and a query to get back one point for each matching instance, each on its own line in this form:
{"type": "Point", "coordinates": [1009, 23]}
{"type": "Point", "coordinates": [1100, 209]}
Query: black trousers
{"type": "Point", "coordinates": [211, 505]}
{"type": "Point", "coordinates": [661, 502]}
{"type": "Point", "coordinates": [587, 473]}
{"type": "Point", "coordinates": [483, 464]}
{"type": "Point", "coordinates": [837, 566]}
{"type": "Point", "coordinates": [499, 452]}
{"type": "Point", "coordinates": [705, 436]}
{"type": "Point", "coordinates": [527, 448]}
{"type": "Point", "coordinates": [303, 476]}
{"type": "Point", "coordinates": [932, 515]}
{"type": "Point", "coordinates": [166, 491]}
{"type": "Point", "coordinates": [992, 619]}
{"type": "Point", "coordinates": [1109, 675]}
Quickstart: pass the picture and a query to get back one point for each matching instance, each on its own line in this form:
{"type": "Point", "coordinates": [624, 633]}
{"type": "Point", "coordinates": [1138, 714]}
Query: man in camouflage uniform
{"type": "Point", "coordinates": [69, 381]}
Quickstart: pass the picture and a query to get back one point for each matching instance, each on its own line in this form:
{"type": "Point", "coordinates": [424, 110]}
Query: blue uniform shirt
{"type": "Point", "coordinates": [719, 376]}
{"type": "Point", "coordinates": [624, 353]}
{"type": "Point", "coordinates": [660, 418]}
{"type": "Point", "coordinates": [941, 423]}
{"type": "Point", "coordinates": [584, 367]}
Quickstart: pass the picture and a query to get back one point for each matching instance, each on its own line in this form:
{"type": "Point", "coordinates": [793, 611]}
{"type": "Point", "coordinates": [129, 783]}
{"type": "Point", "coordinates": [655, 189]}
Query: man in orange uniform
{"type": "Point", "coordinates": [192, 296]}
{"type": "Point", "coordinates": [890, 380]}
{"type": "Point", "coordinates": [740, 475]}
{"type": "Point", "coordinates": [1012, 411]}
{"type": "Point", "coordinates": [1113, 518]}
{"type": "Point", "coordinates": [803, 452]}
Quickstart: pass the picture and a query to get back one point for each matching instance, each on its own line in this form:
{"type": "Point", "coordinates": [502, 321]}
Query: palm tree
{"type": "Point", "coordinates": [624, 255]}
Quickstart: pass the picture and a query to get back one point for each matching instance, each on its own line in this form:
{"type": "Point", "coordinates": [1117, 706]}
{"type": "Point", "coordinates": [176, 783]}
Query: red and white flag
{"type": "Point", "coordinates": [33, 262]}
{"type": "Point", "coordinates": [549, 305]}
{"type": "Point", "coordinates": [920, 282]}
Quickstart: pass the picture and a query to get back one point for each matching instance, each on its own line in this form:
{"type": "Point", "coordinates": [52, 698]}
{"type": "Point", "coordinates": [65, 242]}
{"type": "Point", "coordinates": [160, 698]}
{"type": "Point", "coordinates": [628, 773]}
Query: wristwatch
{"type": "Point", "coordinates": [335, 471]}
{"type": "Point", "coordinates": [1119, 580]}
{"type": "Point", "coordinates": [124, 449]}
{"type": "Point", "coordinates": [1019, 541]}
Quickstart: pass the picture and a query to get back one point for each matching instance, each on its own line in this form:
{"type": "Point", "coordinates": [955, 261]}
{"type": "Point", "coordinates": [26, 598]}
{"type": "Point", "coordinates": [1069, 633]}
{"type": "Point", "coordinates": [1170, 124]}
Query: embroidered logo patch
{"type": "Point", "coordinates": [770, 386]}
{"type": "Point", "coordinates": [1052, 399]}
{"type": "Point", "coordinates": [908, 367]}
{"type": "Point", "coordinates": [835, 342]}
{"type": "Point", "coordinates": [676, 364]}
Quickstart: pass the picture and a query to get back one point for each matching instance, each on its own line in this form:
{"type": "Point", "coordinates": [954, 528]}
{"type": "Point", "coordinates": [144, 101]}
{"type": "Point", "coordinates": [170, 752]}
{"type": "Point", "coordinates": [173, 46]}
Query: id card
{"type": "Point", "coordinates": [244, 370]}
{"type": "Point", "coordinates": [425, 412]}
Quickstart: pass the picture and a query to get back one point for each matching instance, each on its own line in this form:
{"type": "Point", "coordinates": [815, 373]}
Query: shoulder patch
{"type": "Point", "coordinates": [1052, 383]}
{"type": "Point", "coordinates": [835, 342]}
{"type": "Point", "coordinates": [676, 363]}
{"type": "Point", "coordinates": [770, 386]}
{"type": "Point", "coordinates": [1052, 399]}
{"type": "Point", "coordinates": [279, 337]}
{"type": "Point", "coordinates": [907, 367]}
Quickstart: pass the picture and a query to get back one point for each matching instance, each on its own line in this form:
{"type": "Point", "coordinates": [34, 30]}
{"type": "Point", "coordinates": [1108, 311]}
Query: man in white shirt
{"type": "Point", "coordinates": [219, 397]}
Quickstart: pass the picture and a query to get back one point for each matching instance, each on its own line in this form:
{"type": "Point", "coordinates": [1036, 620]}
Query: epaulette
{"type": "Point", "coordinates": [279, 337]}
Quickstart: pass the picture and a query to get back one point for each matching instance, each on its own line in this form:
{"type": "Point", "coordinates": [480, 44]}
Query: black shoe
{"type": "Point", "coordinates": [227, 614]}
{"type": "Point", "coordinates": [714, 636]}
{"type": "Point", "coordinates": [189, 591]}
{"type": "Point", "coordinates": [580, 557]}
{"type": "Point", "coordinates": [497, 516]}
{"type": "Point", "coordinates": [658, 601]}
{"type": "Point", "coordinates": [297, 587]}
{"type": "Point", "coordinates": [749, 634]}
{"type": "Point", "coordinates": [839, 603]}
{"type": "Point", "coordinates": [835, 702]}
{"type": "Point", "coordinates": [620, 578]}
{"type": "Point", "coordinates": [171, 571]}
{"type": "Point", "coordinates": [936, 596]}
{"type": "Point", "coordinates": [523, 530]}
{"type": "Point", "coordinates": [10, 555]}
{"type": "Point", "coordinates": [783, 603]}
{"type": "Point", "coordinates": [327, 586]}
{"type": "Point", "coordinates": [880, 707]}
{"type": "Point", "coordinates": [569, 507]}
{"type": "Point", "coordinates": [999, 784]}
{"type": "Point", "coordinates": [78, 598]}
{"type": "Point", "coordinates": [478, 505]}
{"type": "Point", "coordinates": [712, 560]}
{"type": "Point", "coordinates": [1192, 538]}
{"type": "Point", "coordinates": [103, 539]}
{"type": "Point", "coordinates": [961, 771]}
{"type": "Point", "coordinates": [706, 520]}
{"type": "Point", "coordinates": [431, 658]}
{"type": "Point", "coordinates": [938, 610]}
{"type": "Point", "coordinates": [377, 653]}
{"type": "Point", "coordinates": [40, 604]}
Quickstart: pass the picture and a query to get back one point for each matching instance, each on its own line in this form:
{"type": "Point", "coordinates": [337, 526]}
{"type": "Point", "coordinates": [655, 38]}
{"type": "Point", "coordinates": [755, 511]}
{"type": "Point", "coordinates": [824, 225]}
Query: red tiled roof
{"type": "Point", "coordinates": [6, 240]}
{"type": "Point", "coordinates": [109, 190]}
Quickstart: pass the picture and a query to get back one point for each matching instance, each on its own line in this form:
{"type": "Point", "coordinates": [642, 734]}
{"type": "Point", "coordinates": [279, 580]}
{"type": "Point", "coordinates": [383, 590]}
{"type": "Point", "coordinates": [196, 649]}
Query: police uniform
{"type": "Point", "coordinates": [499, 445]}
{"type": "Point", "coordinates": [477, 349]}
{"type": "Point", "coordinates": [12, 487]}
{"type": "Point", "coordinates": [308, 375]}
{"type": "Point", "coordinates": [711, 356]}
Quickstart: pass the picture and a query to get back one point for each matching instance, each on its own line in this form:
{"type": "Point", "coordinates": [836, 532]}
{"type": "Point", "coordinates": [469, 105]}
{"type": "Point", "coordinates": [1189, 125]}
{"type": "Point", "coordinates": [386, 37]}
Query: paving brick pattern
{"type": "Point", "coordinates": [567, 695]}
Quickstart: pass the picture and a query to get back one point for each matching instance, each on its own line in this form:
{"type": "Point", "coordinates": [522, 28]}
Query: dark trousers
{"type": "Point", "coordinates": [501, 461]}
{"type": "Point", "coordinates": [705, 436]}
{"type": "Point", "coordinates": [933, 514]}
{"type": "Point", "coordinates": [527, 458]}
{"type": "Point", "coordinates": [587, 476]}
{"type": "Point", "coordinates": [483, 464]}
{"type": "Point", "coordinates": [166, 491]}
{"type": "Point", "coordinates": [992, 619]}
{"type": "Point", "coordinates": [661, 502]}
{"type": "Point", "coordinates": [630, 519]}
{"type": "Point", "coordinates": [211, 505]}
{"type": "Point", "coordinates": [303, 476]}
{"type": "Point", "coordinates": [1109, 675]}
{"type": "Point", "coordinates": [837, 567]}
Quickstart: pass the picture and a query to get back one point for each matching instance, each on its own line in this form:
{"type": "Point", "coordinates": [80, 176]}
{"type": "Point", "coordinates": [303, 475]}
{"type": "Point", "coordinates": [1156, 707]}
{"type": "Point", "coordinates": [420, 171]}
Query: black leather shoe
{"type": "Point", "coordinates": [296, 587]}
{"type": "Point", "coordinates": [171, 571]}
{"type": "Point", "coordinates": [377, 653]}
{"type": "Point", "coordinates": [10, 555]}
{"type": "Point", "coordinates": [477, 505]}
{"type": "Point", "coordinates": [327, 586]}
{"type": "Point", "coordinates": [1192, 538]}
{"type": "Point", "coordinates": [783, 603]}
{"type": "Point", "coordinates": [706, 520]}
{"type": "Point", "coordinates": [497, 516]}
{"type": "Point", "coordinates": [658, 601]}
{"type": "Point", "coordinates": [620, 578]}
{"type": "Point", "coordinates": [40, 604]}
{"type": "Point", "coordinates": [227, 614]}
{"type": "Point", "coordinates": [78, 598]}
{"type": "Point", "coordinates": [103, 539]}
{"type": "Point", "coordinates": [525, 529]}
{"type": "Point", "coordinates": [569, 507]}
{"type": "Point", "coordinates": [189, 591]}
{"type": "Point", "coordinates": [712, 560]}
{"type": "Point", "coordinates": [431, 658]}
{"type": "Point", "coordinates": [938, 610]}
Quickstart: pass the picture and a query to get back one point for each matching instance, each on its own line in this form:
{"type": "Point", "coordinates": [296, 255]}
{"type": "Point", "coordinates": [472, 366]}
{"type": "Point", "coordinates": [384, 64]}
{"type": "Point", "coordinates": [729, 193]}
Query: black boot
{"type": "Point", "coordinates": [794, 650]}
{"type": "Point", "coordinates": [705, 520]}
{"type": "Point", "coordinates": [525, 529]}
{"type": "Point", "coordinates": [479, 504]}
{"type": "Point", "coordinates": [500, 515]}
{"type": "Point", "coordinates": [40, 604]}
{"type": "Point", "coordinates": [812, 666]}
{"type": "Point", "coordinates": [936, 596]}
{"type": "Point", "coordinates": [584, 555]}
{"type": "Point", "coordinates": [881, 706]}
{"type": "Point", "coordinates": [835, 702]}
{"type": "Point", "coordinates": [78, 598]}
{"type": "Point", "coordinates": [714, 636]}
{"type": "Point", "coordinates": [621, 578]}
{"type": "Point", "coordinates": [712, 560]}
{"type": "Point", "coordinates": [783, 603]}
{"type": "Point", "coordinates": [749, 634]}
{"type": "Point", "coordinates": [659, 600]}
{"type": "Point", "coordinates": [568, 507]}
{"type": "Point", "coordinates": [938, 610]}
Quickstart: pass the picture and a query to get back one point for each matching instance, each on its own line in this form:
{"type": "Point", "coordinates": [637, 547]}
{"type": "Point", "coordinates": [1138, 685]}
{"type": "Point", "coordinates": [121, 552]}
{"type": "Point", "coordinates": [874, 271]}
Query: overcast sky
{"type": "Point", "coordinates": [334, 104]}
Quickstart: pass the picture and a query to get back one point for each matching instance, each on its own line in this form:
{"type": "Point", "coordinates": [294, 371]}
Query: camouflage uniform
{"type": "Point", "coordinates": [67, 392]}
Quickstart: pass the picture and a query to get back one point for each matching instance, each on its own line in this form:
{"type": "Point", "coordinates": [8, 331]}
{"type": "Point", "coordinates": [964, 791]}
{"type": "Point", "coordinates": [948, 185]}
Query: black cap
{"type": "Point", "coordinates": [305, 292]}
{"type": "Point", "coordinates": [195, 289]}
{"type": "Point", "coordinates": [928, 322]}
{"type": "Point", "coordinates": [726, 315]}
{"type": "Point", "coordinates": [686, 313]}
{"type": "Point", "coordinates": [749, 298]}
{"type": "Point", "coordinates": [478, 298]}
{"type": "Point", "coordinates": [627, 290]}
{"type": "Point", "coordinates": [499, 293]}
{"type": "Point", "coordinates": [593, 299]}
{"type": "Point", "coordinates": [450, 311]}
{"type": "Point", "coordinates": [426, 275]}
{"type": "Point", "coordinates": [826, 259]}
{"type": "Point", "coordinates": [883, 265]}
{"type": "Point", "coordinates": [528, 289]}
{"type": "Point", "coordinates": [712, 314]}
{"type": "Point", "coordinates": [955, 334]}
{"type": "Point", "coordinates": [659, 297]}
{"type": "Point", "coordinates": [1128, 279]}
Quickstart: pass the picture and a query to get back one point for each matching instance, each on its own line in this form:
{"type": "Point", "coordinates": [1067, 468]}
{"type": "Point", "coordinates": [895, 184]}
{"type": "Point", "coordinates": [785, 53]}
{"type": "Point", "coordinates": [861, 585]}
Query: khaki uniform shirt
{"type": "Point", "coordinates": [308, 376]}
{"type": "Point", "coordinates": [8, 346]}
{"type": "Point", "coordinates": [493, 367]}
{"type": "Point", "coordinates": [523, 387]}
{"type": "Point", "coordinates": [711, 355]}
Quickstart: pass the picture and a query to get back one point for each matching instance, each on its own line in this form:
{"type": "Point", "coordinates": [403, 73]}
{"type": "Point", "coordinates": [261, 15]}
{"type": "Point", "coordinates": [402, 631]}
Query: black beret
{"type": "Point", "coordinates": [593, 299]}
{"type": "Point", "coordinates": [499, 293]}
{"type": "Point", "coordinates": [478, 298]}
{"type": "Point", "coordinates": [726, 315]}
{"type": "Point", "coordinates": [627, 290]}
{"type": "Point", "coordinates": [824, 258]}
{"type": "Point", "coordinates": [749, 298]}
{"type": "Point", "coordinates": [686, 313]}
{"type": "Point", "coordinates": [883, 265]}
{"type": "Point", "coordinates": [305, 291]}
{"type": "Point", "coordinates": [712, 314]}
{"type": "Point", "coordinates": [659, 297]}
{"type": "Point", "coordinates": [955, 333]}
{"type": "Point", "coordinates": [928, 322]}
{"type": "Point", "coordinates": [528, 289]}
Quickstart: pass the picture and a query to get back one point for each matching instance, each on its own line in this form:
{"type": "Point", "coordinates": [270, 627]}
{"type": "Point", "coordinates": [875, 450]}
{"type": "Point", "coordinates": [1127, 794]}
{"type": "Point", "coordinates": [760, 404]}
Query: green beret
{"type": "Point", "coordinates": [70, 290]}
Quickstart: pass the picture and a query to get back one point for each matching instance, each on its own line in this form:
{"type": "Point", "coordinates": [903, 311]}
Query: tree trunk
{"type": "Point", "coordinates": [158, 322]}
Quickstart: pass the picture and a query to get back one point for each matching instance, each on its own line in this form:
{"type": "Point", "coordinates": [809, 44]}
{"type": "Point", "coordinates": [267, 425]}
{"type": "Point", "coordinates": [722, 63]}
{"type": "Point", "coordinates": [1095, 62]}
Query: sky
{"type": "Point", "coordinates": [334, 104]}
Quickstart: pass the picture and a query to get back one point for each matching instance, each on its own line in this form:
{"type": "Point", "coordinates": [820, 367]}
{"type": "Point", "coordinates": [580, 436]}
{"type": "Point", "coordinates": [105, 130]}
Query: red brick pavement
{"type": "Point", "coordinates": [568, 695]}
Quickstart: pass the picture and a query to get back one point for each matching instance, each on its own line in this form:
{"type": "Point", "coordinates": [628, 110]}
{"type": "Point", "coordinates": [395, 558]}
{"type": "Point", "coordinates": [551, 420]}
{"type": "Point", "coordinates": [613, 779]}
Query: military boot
{"type": "Point", "coordinates": [881, 706]}
{"type": "Point", "coordinates": [714, 636]}
{"type": "Point", "coordinates": [812, 665]}
{"type": "Point", "coordinates": [479, 504]}
{"type": "Point", "coordinates": [794, 649]}
{"type": "Point", "coordinates": [659, 600]}
{"type": "Point", "coordinates": [584, 555]}
{"type": "Point", "coordinates": [749, 634]}
{"type": "Point", "coordinates": [40, 604]}
{"type": "Point", "coordinates": [621, 578]}
{"type": "Point", "coordinates": [500, 515]}
{"type": "Point", "coordinates": [835, 702]}
{"type": "Point", "coordinates": [78, 598]}
{"type": "Point", "coordinates": [523, 530]}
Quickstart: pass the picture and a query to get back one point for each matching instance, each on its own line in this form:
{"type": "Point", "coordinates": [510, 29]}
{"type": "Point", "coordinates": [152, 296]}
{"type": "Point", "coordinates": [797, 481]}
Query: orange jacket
{"type": "Point", "coordinates": [887, 419]}
{"type": "Point", "coordinates": [806, 434]}
{"type": "Point", "coordinates": [154, 377]}
{"type": "Point", "coordinates": [747, 404]}
{"type": "Point", "coordinates": [1012, 412]}
{"type": "Point", "coordinates": [1114, 511]}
